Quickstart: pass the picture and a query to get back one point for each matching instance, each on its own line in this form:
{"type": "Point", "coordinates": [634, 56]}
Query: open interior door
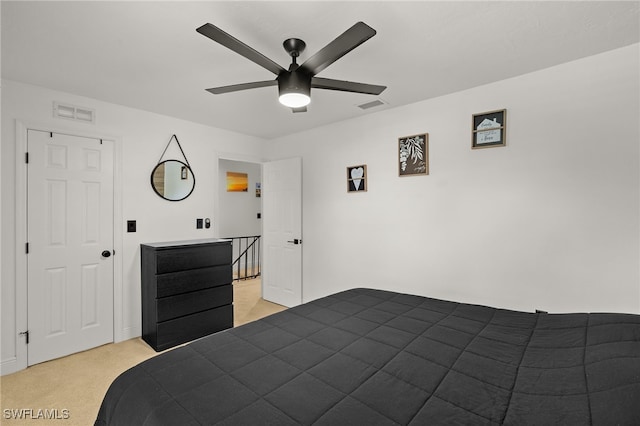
{"type": "Point", "coordinates": [282, 232]}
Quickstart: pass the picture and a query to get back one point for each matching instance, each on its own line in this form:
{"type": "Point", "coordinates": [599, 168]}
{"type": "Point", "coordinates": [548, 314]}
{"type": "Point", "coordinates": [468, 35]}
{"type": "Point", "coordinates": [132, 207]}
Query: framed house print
{"type": "Point", "coordinates": [413, 155]}
{"type": "Point", "coordinates": [357, 178]}
{"type": "Point", "coordinates": [489, 129]}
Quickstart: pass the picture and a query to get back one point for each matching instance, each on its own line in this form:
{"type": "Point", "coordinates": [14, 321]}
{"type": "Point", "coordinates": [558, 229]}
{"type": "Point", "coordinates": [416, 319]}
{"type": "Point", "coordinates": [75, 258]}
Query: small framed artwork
{"type": "Point", "coordinates": [413, 155]}
{"type": "Point", "coordinates": [489, 129]}
{"type": "Point", "coordinates": [357, 178]}
{"type": "Point", "coordinates": [237, 182]}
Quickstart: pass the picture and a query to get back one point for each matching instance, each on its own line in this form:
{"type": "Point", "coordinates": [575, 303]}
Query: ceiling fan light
{"type": "Point", "coordinates": [294, 89]}
{"type": "Point", "coordinates": [294, 100]}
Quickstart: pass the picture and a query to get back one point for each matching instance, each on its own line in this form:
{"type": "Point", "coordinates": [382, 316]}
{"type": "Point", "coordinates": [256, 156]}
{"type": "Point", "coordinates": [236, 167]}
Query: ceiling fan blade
{"type": "Point", "coordinates": [300, 109]}
{"type": "Point", "coordinates": [346, 86]}
{"type": "Point", "coordinates": [219, 36]}
{"type": "Point", "coordinates": [242, 86]}
{"type": "Point", "coordinates": [343, 44]}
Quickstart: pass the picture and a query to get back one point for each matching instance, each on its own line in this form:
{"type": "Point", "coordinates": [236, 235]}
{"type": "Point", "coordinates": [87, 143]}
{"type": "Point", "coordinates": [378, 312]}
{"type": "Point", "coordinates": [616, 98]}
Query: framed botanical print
{"type": "Point", "coordinates": [357, 178]}
{"type": "Point", "coordinates": [413, 155]}
{"type": "Point", "coordinates": [489, 129]}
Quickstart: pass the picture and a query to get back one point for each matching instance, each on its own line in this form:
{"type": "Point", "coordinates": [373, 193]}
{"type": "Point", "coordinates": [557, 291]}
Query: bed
{"type": "Point", "coordinates": [373, 357]}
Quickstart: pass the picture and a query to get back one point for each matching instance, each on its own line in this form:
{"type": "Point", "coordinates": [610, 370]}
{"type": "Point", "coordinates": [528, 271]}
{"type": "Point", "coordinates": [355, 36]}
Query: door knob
{"type": "Point", "coordinates": [295, 241]}
{"type": "Point", "coordinates": [106, 253]}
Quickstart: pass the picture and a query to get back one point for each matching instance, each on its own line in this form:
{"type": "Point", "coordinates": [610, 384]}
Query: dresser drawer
{"type": "Point", "coordinates": [192, 257]}
{"type": "Point", "coordinates": [184, 329]}
{"type": "Point", "coordinates": [196, 301]}
{"type": "Point", "coordinates": [186, 281]}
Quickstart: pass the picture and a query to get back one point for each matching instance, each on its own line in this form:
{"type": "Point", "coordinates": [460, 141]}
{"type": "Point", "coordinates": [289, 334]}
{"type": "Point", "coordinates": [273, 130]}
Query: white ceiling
{"type": "Point", "coordinates": [147, 54]}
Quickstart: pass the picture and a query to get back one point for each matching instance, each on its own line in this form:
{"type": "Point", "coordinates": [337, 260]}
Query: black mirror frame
{"type": "Point", "coordinates": [162, 196]}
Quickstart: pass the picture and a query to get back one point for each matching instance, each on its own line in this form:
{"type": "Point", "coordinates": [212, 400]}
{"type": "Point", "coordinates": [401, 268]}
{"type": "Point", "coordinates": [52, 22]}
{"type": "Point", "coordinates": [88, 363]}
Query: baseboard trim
{"type": "Point", "coordinates": [127, 334]}
{"type": "Point", "coordinates": [10, 366]}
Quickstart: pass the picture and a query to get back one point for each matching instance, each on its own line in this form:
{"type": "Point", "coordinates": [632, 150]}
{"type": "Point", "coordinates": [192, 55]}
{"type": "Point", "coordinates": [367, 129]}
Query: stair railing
{"type": "Point", "coordinates": [247, 257]}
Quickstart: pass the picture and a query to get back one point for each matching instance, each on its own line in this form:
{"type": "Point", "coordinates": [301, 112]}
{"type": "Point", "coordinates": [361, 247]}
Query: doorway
{"type": "Point", "coordinates": [281, 218]}
{"type": "Point", "coordinates": [239, 214]}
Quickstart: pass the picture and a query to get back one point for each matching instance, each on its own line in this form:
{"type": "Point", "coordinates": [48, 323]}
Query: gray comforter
{"type": "Point", "coordinates": [368, 357]}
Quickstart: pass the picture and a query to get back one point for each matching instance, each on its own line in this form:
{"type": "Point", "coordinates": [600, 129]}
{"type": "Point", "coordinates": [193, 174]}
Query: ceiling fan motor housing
{"type": "Point", "coordinates": [294, 88]}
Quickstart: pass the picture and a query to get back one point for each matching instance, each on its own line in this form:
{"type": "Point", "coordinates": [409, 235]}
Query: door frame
{"type": "Point", "coordinates": [246, 159]}
{"type": "Point", "coordinates": [21, 305]}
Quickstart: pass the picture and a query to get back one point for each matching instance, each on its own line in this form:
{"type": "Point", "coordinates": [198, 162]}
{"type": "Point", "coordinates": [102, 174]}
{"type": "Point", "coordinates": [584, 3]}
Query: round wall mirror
{"type": "Point", "coordinates": [173, 180]}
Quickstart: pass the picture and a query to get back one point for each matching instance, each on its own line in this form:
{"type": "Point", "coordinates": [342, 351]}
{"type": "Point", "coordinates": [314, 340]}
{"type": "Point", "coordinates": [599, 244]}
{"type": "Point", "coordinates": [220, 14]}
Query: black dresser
{"type": "Point", "coordinates": [187, 290]}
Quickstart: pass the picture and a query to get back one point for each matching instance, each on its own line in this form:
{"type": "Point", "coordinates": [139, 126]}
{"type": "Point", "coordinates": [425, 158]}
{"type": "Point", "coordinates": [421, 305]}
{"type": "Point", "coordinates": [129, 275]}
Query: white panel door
{"type": "Point", "coordinates": [282, 232]}
{"type": "Point", "coordinates": [70, 225]}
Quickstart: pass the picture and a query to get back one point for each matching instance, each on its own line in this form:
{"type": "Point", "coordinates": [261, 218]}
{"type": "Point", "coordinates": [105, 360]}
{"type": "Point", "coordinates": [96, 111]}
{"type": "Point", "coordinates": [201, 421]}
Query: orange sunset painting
{"type": "Point", "coordinates": [237, 182]}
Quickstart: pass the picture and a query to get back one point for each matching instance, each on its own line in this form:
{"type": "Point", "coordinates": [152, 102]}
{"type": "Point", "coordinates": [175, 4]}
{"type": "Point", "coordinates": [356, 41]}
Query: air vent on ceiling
{"type": "Point", "coordinates": [371, 104]}
{"type": "Point", "coordinates": [72, 112]}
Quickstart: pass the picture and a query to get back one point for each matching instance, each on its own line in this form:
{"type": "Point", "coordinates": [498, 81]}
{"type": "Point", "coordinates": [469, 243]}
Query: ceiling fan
{"type": "Point", "coordinates": [294, 84]}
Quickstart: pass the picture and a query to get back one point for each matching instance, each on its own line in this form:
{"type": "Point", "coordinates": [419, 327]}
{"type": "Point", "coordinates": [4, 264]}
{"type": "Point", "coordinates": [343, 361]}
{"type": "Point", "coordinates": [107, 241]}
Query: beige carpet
{"type": "Point", "coordinates": [71, 389]}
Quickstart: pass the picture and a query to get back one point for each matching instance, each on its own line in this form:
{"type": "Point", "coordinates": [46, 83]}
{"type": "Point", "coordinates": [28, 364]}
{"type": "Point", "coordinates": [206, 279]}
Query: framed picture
{"type": "Point", "coordinates": [237, 182]}
{"type": "Point", "coordinates": [413, 155]}
{"type": "Point", "coordinates": [489, 129]}
{"type": "Point", "coordinates": [357, 178]}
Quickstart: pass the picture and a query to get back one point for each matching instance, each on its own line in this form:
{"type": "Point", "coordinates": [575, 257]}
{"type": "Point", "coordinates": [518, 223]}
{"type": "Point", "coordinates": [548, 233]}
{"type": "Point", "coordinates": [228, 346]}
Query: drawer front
{"type": "Point", "coordinates": [198, 279]}
{"type": "Point", "coordinates": [192, 257]}
{"type": "Point", "coordinates": [190, 327]}
{"type": "Point", "coordinates": [196, 301]}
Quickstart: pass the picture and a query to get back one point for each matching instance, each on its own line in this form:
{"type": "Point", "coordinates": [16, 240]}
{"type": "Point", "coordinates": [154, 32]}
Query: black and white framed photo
{"type": "Point", "coordinates": [413, 155]}
{"type": "Point", "coordinates": [489, 129]}
{"type": "Point", "coordinates": [357, 178]}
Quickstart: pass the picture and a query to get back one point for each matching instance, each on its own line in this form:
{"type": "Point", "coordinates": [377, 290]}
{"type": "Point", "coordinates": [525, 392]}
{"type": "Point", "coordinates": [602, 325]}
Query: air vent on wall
{"type": "Point", "coordinates": [72, 112]}
{"type": "Point", "coordinates": [371, 104]}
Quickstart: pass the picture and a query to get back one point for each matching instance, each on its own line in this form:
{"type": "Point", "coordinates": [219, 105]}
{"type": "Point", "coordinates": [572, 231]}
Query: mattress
{"type": "Point", "coordinates": [372, 357]}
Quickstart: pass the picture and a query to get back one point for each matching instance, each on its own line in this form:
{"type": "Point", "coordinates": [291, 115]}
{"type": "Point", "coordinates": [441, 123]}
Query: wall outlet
{"type": "Point", "coordinates": [198, 223]}
{"type": "Point", "coordinates": [207, 223]}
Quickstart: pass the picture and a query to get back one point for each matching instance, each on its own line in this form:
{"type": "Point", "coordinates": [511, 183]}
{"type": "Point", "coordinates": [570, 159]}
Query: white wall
{"type": "Point", "coordinates": [143, 137]}
{"type": "Point", "coordinates": [237, 216]}
{"type": "Point", "coordinates": [551, 221]}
